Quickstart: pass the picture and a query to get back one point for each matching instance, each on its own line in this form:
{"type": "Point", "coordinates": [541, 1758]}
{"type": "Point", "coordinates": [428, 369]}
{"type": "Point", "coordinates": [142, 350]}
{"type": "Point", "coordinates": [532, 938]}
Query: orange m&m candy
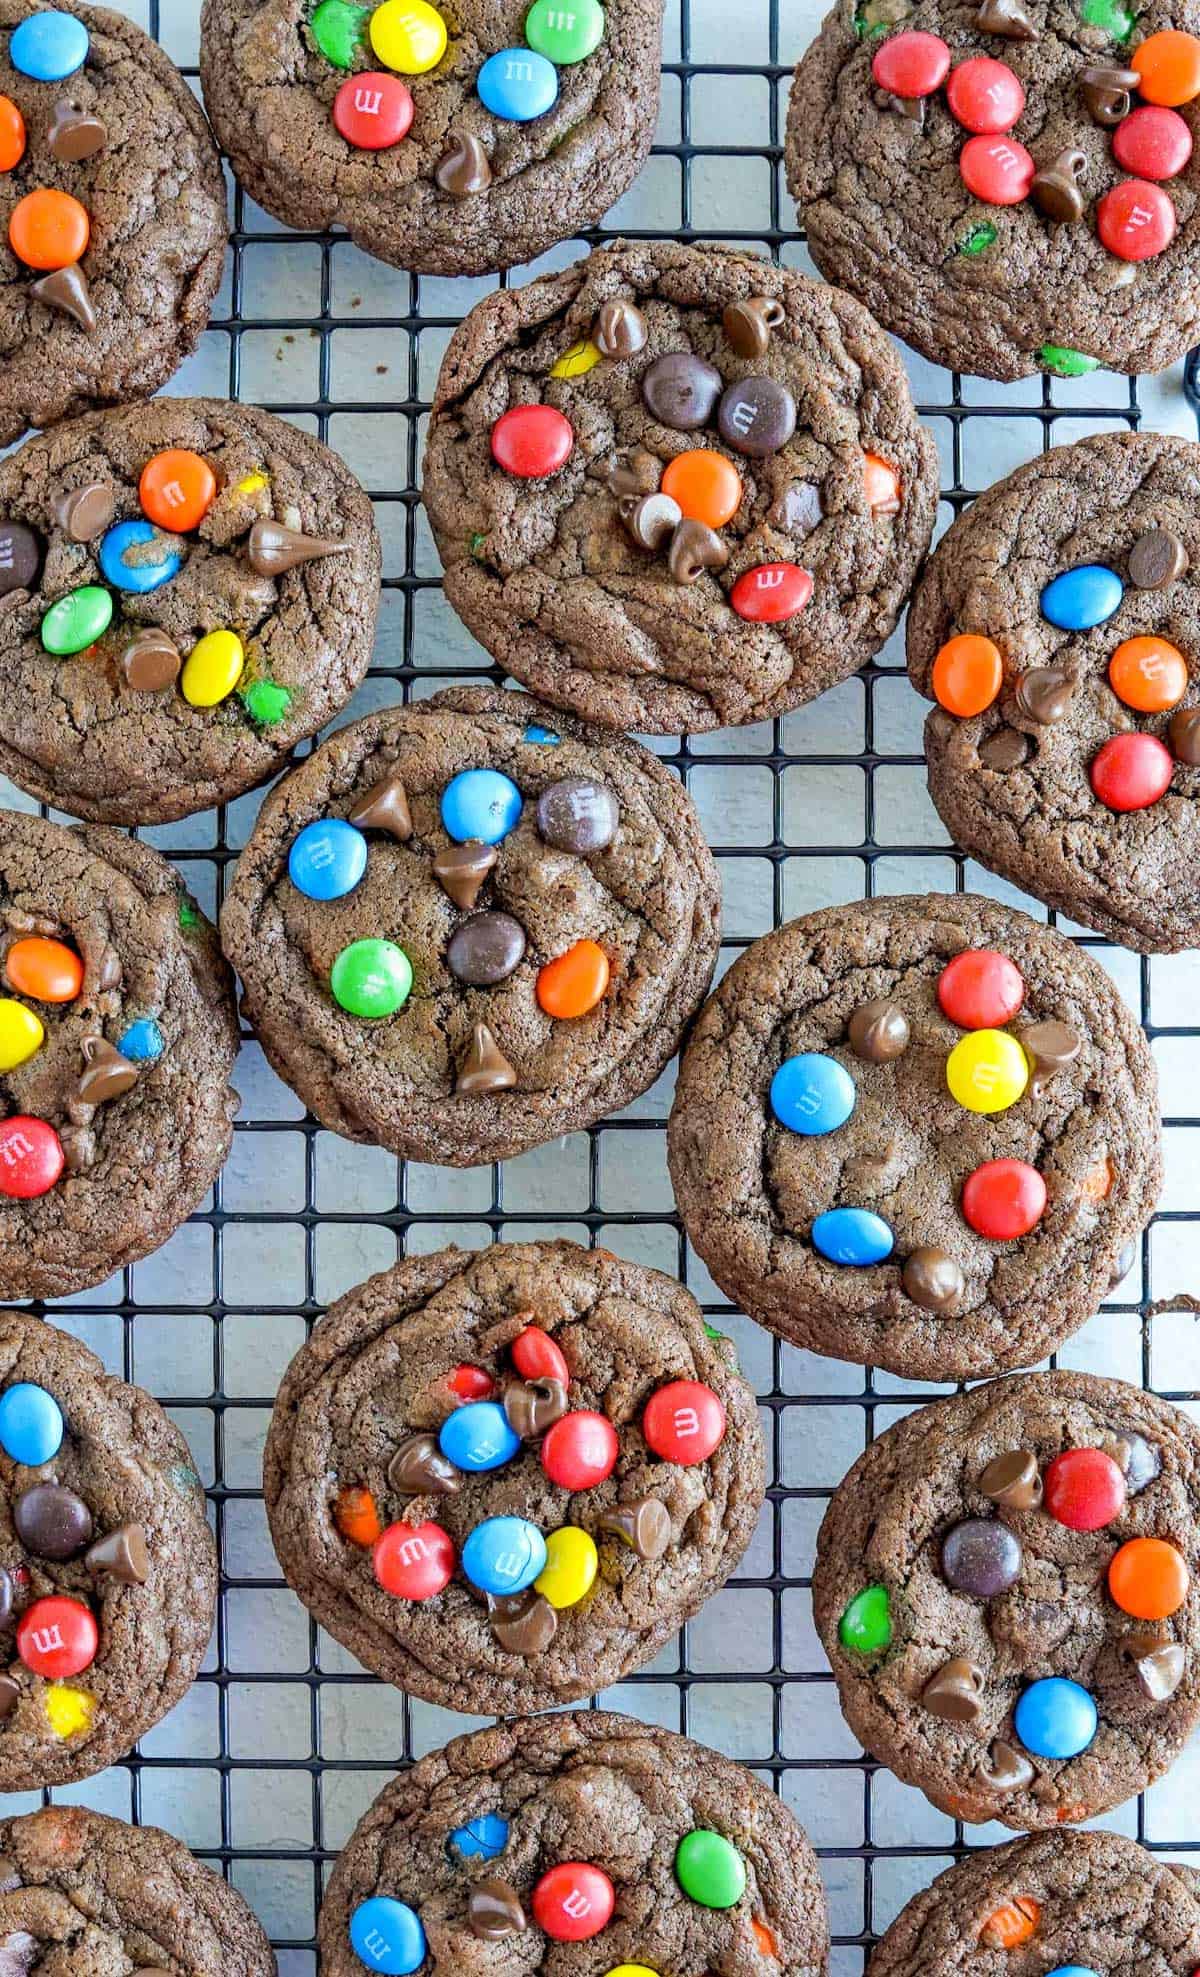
{"type": "Point", "coordinates": [707, 486]}
{"type": "Point", "coordinates": [882, 484]}
{"type": "Point", "coordinates": [1149, 1578]}
{"type": "Point", "coordinates": [47, 970]}
{"type": "Point", "coordinates": [575, 982]}
{"type": "Point", "coordinates": [1167, 67]}
{"type": "Point", "coordinates": [1148, 673]}
{"type": "Point", "coordinates": [356, 1517]}
{"type": "Point", "coordinates": [177, 489]}
{"type": "Point", "coordinates": [12, 134]}
{"type": "Point", "coordinates": [1011, 1924]}
{"type": "Point", "coordinates": [48, 229]}
{"type": "Point", "coordinates": [967, 674]}
{"type": "Point", "coordinates": [765, 1938]}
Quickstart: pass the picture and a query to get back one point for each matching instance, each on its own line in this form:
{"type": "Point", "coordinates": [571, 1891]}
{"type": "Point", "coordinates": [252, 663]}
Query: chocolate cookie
{"type": "Point", "coordinates": [1006, 1590]}
{"type": "Point", "coordinates": [108, 1580]}
{"type": "Point", "coordinates": [607, 1845]}
{"type": "Point", "coordinates": [504, 1479]}
{"type": "Point", "coordinates": [84, 1893]}
{"type": "Point", "coordinates": [454, 139]}
{"type": "Point", "coordinates": [917, 1133]}
{"type": "Point", "coordinates": [1058, 626]}
{"type": "Point", "coordinates": [676, 488]}
{"type": "Point", "coordinates": [117, 1038]}
{"type": "Point", "coordinates": [1008, 186]}
{"type": "Point", "coordinates": [187, 589]}
{"type": "Point", "coordinates": [1055, 1898]}
{"type": "Point", "coordinates": [468, 925]}
{"type": "Point", "coordinates": [112, 203]}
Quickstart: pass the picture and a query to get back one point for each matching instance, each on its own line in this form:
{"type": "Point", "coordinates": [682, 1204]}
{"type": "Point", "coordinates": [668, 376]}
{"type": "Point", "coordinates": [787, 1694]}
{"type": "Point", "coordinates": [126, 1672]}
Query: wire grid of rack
{"type": "Point", "coordinates": [284, 1740]}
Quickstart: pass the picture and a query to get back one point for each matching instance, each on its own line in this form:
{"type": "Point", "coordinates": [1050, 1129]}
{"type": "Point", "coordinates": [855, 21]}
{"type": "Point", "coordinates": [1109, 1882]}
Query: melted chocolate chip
{"type": "Point", "coordinates": [651, 519]}
{"type": "Point", "coordinates": [748, 324]}
{"type": "Point", "coordinates": [533, 1406]}
{"type": "Point", "coordinates": [1004, 1769]}
{"type": "Point", "coordinates": [85, 512]}
{"type": "Point", "coordinates": [1006, 749]}
{"type": "Point", "coordinates": [122, 1554]}
{"type": "Point", "coordinates": [695, 548]}
{"type": "Point", "coordinates": [878, 1031]}
{"type": "Point", "coordinates": [485, 1068]}
{"type": "Point", "coordinates": [66, 290]}
{"type": "Point", "coordinates": [384, 808]}
{"type": "Point", "coordinates": [1051, 1046]}
{"type": "Point", "coordinates": [620, 330]}
{"type": "Point", "coordinates": [955, 1693]}
{"type": "Point", "coordinates": [1044, 694]}
{"type": "Point", "coordinates": [1157, 559]}
{"type": "Point", "coordinates": [798, 509]}
{"type": "Point", "coordinates": [1106, 91]}
{"type": "Point", "coordinates": [75, 134]}
{"type": "Point", "coordinates": [578, 814]}
{"type": "Point", "coordinates": [1013, 1479]}
{"type": "Point", "coordinates": [524, 1623]}
{"type": "Point", "coordinates": [9, 1696]}
{"type": "Point", "coordinates": [932, 1279]}
{"type": "Point", "coordinates": [644, 1525]}
{"type": "Point", "coordinates": [151, 661]}
{"type": "Point", "coordinates": [1158, 1665]}
{"type": "Point", "coordinates": [494, 1910]}
{"type": "Point", "coordinates": [106, 1073]}
{"type": "Point", "coordinates": [463, 167]}
{"type": "Point", "coordinates": [52, 1522]}
{"type": "Point", "coordinates": [419, 1468]}
{"type": "Point", "coordinates": [460, 870]}
{"type": "Point", "coordinates": [274, 548]}
{"type": "Point", "coordinates": [1138, 1460]}
{"type": "Point", "coordinates": [1006, 18]}
{"type": "Point", "coordinates": [1055, 190]}
{"type": "Point", "coordinates": [1184, 736]}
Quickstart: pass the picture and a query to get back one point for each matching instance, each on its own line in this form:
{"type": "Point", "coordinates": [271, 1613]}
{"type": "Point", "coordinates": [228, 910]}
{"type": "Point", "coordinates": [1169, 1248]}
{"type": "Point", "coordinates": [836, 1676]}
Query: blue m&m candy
{"type": "Point", "coordinates": [134, 556]}
{"type": "Point", "coordinates": [518, 84]}
{"type": "Point", "coordinates": [546, 736]}
{"type": "Point", "coordinates": [1081, 598]}
{"type": "Point", "coordinates": [142, 1041]}
{"type": "Point", "coordinates": [812, 1093]}
{"type": "Point", "coordinates": [1055, 1718]}
{"type": "Point", "coordinates": [1073, 1970]}
{"type": "Point", "coordinates": [387, 1935]}
{"type": "Point", "coordinates": [480, 803]}
{"type": "Point", "coordinates": [327, 859]}
{"type": "Point", "coordinates": [852, 1235]}
{"type": "Point", "coordinates": [484, 1838]}
{"type": "Point", "coordinates": [503, 1555]}
{"type": "Point", "coordinates": [478, 1436]}
{"type": "Point", "coordinates": [49, 47]}
{"type": "Point", "coordinates": [31, 1424]}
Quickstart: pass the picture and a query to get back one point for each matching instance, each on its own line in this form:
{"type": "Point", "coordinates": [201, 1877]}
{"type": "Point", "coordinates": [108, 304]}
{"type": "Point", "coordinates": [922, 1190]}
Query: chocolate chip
{"type": "Point", "coordinates": [532, 1407]}
{"type": "Point", "coordinates": [485, 1068]}
{"type": "Point", "coordinates": [932, 1279]}
{"type": "Point", "coordinates": [578, 814]}
{"type": "Point", "coordinates": [151, 661]}
{"type": "Point", "coordinates": [1006, 18]}
{"type": "Point", "coordinates": [955, 1692]}
{"type": "Point", "coordinates": [1138, 1460]}
{"type": "Point", "coordinates": [106, 1074]}
{"type": "Point", "coordinates": [384, 808]}
{"type": "Point", "coordinates": [1051, 1046]}
{"type": "Point", "coordinates": [419, 1468]}
{"type": "Point", "coordinates": [911, 107]}
{"type": "Point", "coordinates": [20, 557]}
{"type": "Point", "coordinates": [681, 390]}
{"type": "Point", "coordinates": [1123, 1265]}
{"type": "Point", "coordinates": [485, 949]}
{"type": "Point", "coordinates": [1184, 736]}
{"type": "Point", "coordinates": [463, 167]}
{"type": "Point", "coordinates": [748, 324]}
{"type": "Point", "coordinates": [798, 509]}
{"type": "Point", "coordinates": [524, 1623]}
{"type": "Point", "coordinates": [620, 330]}
{"type": "Point", "coordinates": [638, 475]}
{"type": "Point", "coordinates": [695, 548]}
{"type": "Point", "coordinates": [1055, 189]}
{"type": "Point", "coordinates": [460, 870]}
{"type": "Point", "coordinates": [66, 290]}
{"type": "Point", "coordinates": [52, 1522]}
{"type": "Point", "coordinates": [1006, 748]}
{"type": "Point", "coordinates": [1158, 1665]}
{"type": "Point", "coordinates": [651, 519]}
{"type": "Point", "coordinates": [122, 1554]}
{"type": "Point", "coordinates": [1013, 1479]}
{"type": "Point", "coordinates": [85, 512]}
{"type": "Point", "coordinates": [75, 134]}
{"type": "Point", "coordinates": [1004, 1769]}
{"type": "Point", "coordinates": [644, 1525]}
{"type": "Point", "coordinates": [9, 1696]}
{"type": "Point", "coordinates": [981, 1556]}
{"type": "Point", "coordinates": [756, 416]}
{"type": "Point", "coordinates": [1044, 694]}
{"type": "Point", "coordinates": [274, 548]}
{"type": "Point", "coordinates": [493, 1910]}
{"type": "Point", "coordinates": [1156, 559]}
{"type": "Point", "coordinates": [1106, 91]}
{"type": "Point", "coordinates": [878, 1031]}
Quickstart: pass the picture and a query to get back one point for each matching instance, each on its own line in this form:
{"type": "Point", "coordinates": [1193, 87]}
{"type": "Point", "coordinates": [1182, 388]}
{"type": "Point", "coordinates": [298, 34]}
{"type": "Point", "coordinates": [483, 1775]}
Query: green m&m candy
{"type": "Point", "coordinates": [565, 31]}
{"type": "Point", "coordinates": [265, 702]}
{"type": "Point", "coordinates": [339, 29]}
{"type": "Point", "coordinates": [709, 1869]}
{"type": "Point", "coordinates": [371, 978]}
{"type": "Point", "coordinates": [1066, 363]}
{"type": "Point", "coordinates": [866, 1625]}
{"type": "Point", "coordinates": [77, 620]}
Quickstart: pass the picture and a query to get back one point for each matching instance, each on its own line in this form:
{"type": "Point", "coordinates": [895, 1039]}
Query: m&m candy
{"type": "Point", "coordinates": [77, 620]}
{"type": "Point", "coordinates": [142, 1041]}
{"type": "Point", "coordinates": [48, 229]}
{"type": "Point", "coordinates": [408, 35]}
{"type": "Point", "coordinates": [371, 978]}
{"type": "Point", "coordinates": [856, 1236]}
{"type": "Point", "coordinates": [771, 593]}
{"type": "Point", "coordinates": [134, 557]}
{"type": "Point", "coordinates": [1167, 66]}
{"type": "Point", "coordinates": [482, 1838]}
{"type": "Point", "coordinates": [177, 488]}
{"type": "Point", "coordinates": [580, 1450]}
{"type": "Point", "coordinates": [480, 803]}
{"type": "Point", "coordinates": [1055, 1718]}
{"type": "Point", "coordinates": [1148, 1578]}
{"type": "Point", "coordinates": [478, 1436]}
{"type": "Point", "coordinates": [866, 1623]}
{"type": "Point", "coordinates": [812, 1093]}
{"type": "Point", "coordinates": [570, 1569]}
{"type": "Point", "coordinates": [1073, 1970]}
{"type": "Point", "coordinates": [48, 47]}
{"type": "Point", "coordinates": [373, 111]}
{"type": "Point", "coordinates": [387, 1935]}
{"type": "Point", "coordinates": [339, 28]}
{"type": "Point", "coordinates": [684, 1422]}
{"type": "Point", "coordinates": [1148, 674]}
{"type": "Point", "coordinates": [503, 1555]}
{"type": "Point", "coordinates": [45, 970]}
{"type": "Point", "coordinates": [1079, 599]}
{"type": "Point", "coordinates": [413, 1561]}
{"type": "Point", "coordinates": [984, 95]}
{"type": "Point", "coordinates": [1131, 771]}
{"type": "Point", "coordinates": [31, 1157]}
{"type": "Point", "coordinates": [57, 1636]}
{"type": "Point", "coordinates": [212, 669]}
{"type": "Point", "coordinates": [536, 1356]}
{"type": "Point", "coordinates": [12, 134]}
{"type": "Point", "coordinates": [706, 485]}
{"type": "Point", "coordinates": [1003, 1199]}
{"type": "Point", "coordinates": [471, 1383]}
{"type": "Point", "coordinates": [327, 859]}
{"type": "Point", "coordinates": [709, 1869]}
{"type": "Point", "coordinates": [996, 169]}
{"type": "Point", "coordinates": [912, 64]}
{"type": "Point", "coordinates": [356, 1515]}
{"type": "Point", "coordinates": [987, 1071]}
{"type": "Point", "coordinates": [1152, 143]}
{"type": "Point", "coordinates": [1136, 220]}
{"type": "Point", "coordinates": [980, 989]}
{"type": "Point", "coordinates": [518, 85]}
{"type": "Point", "coordinates": [532, 441]}
{"type": "Point", "coordinates": [31, 1424]}
{"type": "Point", "coordinates": [1084, 1489]}
{"type": "Point", "coordinates": [574, 982]}
{"type": "Point", "coordinates": [565, 34]}
{"type": "Point", "coordinates": [881, 485]}
{"type": "Point", "coordinates": [573, 1902]}
{"type": "Point", "coordinates": [21, 1033]}
{"type": "Point", "coordinates": [968, 673]}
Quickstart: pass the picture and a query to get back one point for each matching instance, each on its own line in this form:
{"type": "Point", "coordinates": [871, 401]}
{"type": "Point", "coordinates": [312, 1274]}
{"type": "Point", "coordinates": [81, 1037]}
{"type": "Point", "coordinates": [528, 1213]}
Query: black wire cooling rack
{"type": "Point", "coordinates": [284, 1741]}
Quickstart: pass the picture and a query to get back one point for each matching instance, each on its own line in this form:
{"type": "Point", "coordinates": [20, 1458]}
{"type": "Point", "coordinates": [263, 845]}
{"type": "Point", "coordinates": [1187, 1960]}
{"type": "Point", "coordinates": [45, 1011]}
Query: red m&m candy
{"type": "Point", "coordinates": [911, 64]}
{"type": "Point", "coordinates": [1152, 142]}
{"type": "Point", "coordinates": [580, 1450]}
{"type": "Point", "coordinates": [532, 441]}
{"type": "Point", "coordinates": [997, 169]}
{"type": "Point", "coordinates": [985, 95]}
{"type": "Point", "coordinates": [373, 110]}
{"type": "Point", "coordinates": [1084, 1489]}
{"type": "Point", "coordinates": [57, 1636]}
{"type": "Point", "coordinates": [413, 1561]}
{"type": "Point", "coordinates": [536, 1357]}
{"type": "Point", "coordinates": [1135, 220]}
{"type": "Point", "coordinates": [771, 593]}
{"type": "Point", "coordinates": [980, 989]}
{"type": "Point", "coordinates": [31, 1157]}
{"type": "Point", "coordinates": [471, 1383]}
{"type": "Point", "coordinates": [573, 1901]}
{"type": "Point", "coordinates": [684, 1422]}
{"type": "Point", "coordinates": [1131, 772]}
{"type": "Point", "coordinates": [1004, 1199]}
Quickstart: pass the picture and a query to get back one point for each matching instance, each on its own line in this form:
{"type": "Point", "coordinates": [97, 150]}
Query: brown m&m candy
{"type": "Point", "coordinates": [878, 1031]}
{"type": "Point", "coordinates": [484, 1068]}
{"type": "Point", "coordinates": [695, 548]}
{"type": "Point", "coordinates": [52, 1522]}
{"type": "Point", "coordinates": [85, 512]}
{"type": "Point", "coordinates": [1106, 91]}
{"type": "Point", "coordinates": [106, 1075]}
{"type": "Point", "coordinates": [756, 416]}
{"type": "Point", "coordinates": [1156, 559]}
{"type": "Point", "coordinates": [274, 548]}
{"type": "Point", "coordinates": [122, 1554]}
{"type": "Point", "coordinates": [932, 1279]}
{"type": "Point", "coordinates": [748, 324]}
{"type": "Point", "coordinates": [1055, 190]}
{"type": "Point", "coordinates": [461, 869]}
{"type": "Point", "coordinates": [1184, 736]}
{"type": "Point", "coordinates": [485, 949]}
{"type": "Point", "coordinates": [384, 808]}
{"type": "Point", "coordinates": [620, 330]}
{"type": "Point", "coordinates": [151, 661]}
{"type": "Point", "coordinates": [955, 1692]}
{"type": "Point", "coordinates": [75, 134]}
{"type": "Point", "coordinates": [463, 167]}
{"type": "Point", "coordinates": [20, 556]}
{"type": "Point", "coordinates": [644, 1525]}
{"type": "Point", "coordinates": [981, 1556]}
{"type": "Point", "coordinates": [681, 391]}
{"type": "Point", "coordinates": [578, 815]}
{"type": "Point", "coordinates": [494, 1910]}
{"type": "Point", "coordinates": [419, 1468]}
{"type": "Point", "coordinates": [1013, 1480]}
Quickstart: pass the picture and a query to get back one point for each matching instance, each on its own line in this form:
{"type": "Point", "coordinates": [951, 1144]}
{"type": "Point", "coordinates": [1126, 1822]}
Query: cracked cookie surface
{"type": "Point", "coordinates": [545, 571]}
{"type": "Point", "coordinates": [750, 1188]}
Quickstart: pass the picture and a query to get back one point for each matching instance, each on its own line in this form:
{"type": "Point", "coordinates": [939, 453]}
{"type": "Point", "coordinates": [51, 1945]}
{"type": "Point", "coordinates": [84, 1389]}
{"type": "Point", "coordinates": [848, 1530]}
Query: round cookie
{"type": "Point", "coordinates": [503, 1479]}
{"type": "Point", "coordinates": [1006, 1590]}
{"type": "Point", "coordinates": [1068, 593]}
{"type": "Point", "coordinates": [1076, 1904]}
{"type": "Point", "coordinates": [187, 589]}
{"type": "Point", "coordinates": [1010, 188]}
{"type": "Point", "coordinates": [468, 925]}
{"type": "Point", "coordinates": [112, 208]}
{"type": "Point", "coordinates": [452, 140]}
{"type": "Point", "coordinates": [117, 1038]}
{"type": "Point", "coordinates": [84, 1892]}
{"type": "Point", "coordinates": [676, 488]}
{"type": "Point", "coordinates": [108, 1571]}
{"type": "Point", "coordinates": [613, 1846]}
{"type": "Point", "coordinates": [920, 1133]}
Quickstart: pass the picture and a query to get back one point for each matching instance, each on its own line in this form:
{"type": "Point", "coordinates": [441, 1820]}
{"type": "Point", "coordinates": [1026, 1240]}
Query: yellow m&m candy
{"type": "Point", "coordinates": [631, 1970]}
{"type": "Point", "coordinates": [70, 1710]}
{"type": "Point", "coordinates": [570, 1567]}
{"type": "Point", "coordinates": [576, 362]}
{"type": "Point", "coordinates": [212, 669]}
{"type": "Point", "coordinates": [987, 1071]}
{"type": "Point", "coordinates": [21, 1033]}
{"type": "Point", "coordinates": [408, 35]}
